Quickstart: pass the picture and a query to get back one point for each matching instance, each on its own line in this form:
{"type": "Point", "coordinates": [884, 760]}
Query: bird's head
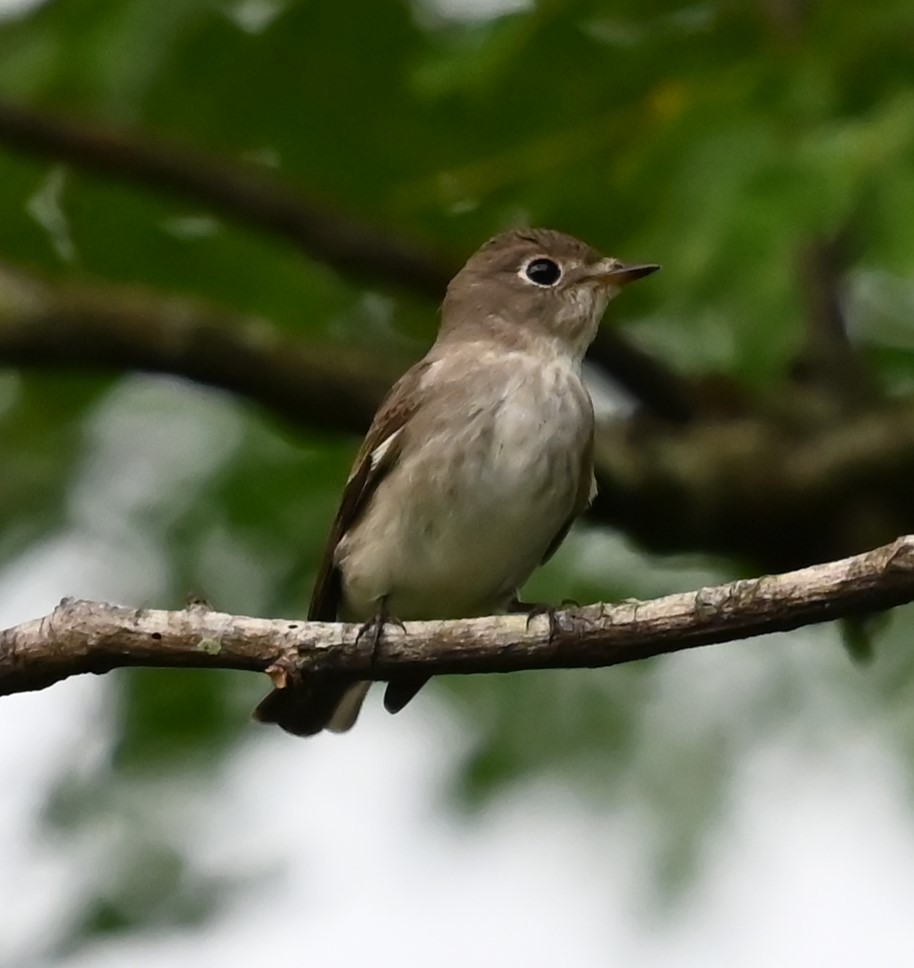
{"type": "Point", "coordinates": [540, 280]}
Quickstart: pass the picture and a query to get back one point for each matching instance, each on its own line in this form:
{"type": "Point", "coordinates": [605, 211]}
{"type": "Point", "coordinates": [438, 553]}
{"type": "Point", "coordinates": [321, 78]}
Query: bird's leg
{"type": "Point", "coordinates": [374, 627]}
{"type": "Point", "coordinates": [399, 691]}
{"type": "Point", "coordinates": [533, 609]}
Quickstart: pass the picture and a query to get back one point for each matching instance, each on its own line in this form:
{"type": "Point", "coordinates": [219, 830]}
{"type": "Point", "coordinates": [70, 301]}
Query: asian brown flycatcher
{"type": "Point", "coordinates": [476, 464]}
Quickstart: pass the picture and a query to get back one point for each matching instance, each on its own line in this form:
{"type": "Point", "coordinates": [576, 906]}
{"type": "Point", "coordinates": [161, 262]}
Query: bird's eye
{"type": "Point", "coordinates": [543, 272]}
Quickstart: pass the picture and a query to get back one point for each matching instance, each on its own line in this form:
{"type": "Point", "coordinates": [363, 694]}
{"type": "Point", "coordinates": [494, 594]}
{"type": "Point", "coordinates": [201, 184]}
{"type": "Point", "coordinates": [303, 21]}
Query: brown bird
{"type": "Point", "coordinates": [476, 464]}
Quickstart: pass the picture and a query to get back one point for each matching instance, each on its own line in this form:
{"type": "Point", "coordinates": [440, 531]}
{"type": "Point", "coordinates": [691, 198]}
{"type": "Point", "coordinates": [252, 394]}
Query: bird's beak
{"type": "Point", "coordinates": [612, 272]}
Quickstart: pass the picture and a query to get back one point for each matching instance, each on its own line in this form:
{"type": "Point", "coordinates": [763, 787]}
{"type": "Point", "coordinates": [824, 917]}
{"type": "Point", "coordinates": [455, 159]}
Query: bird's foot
{"type": "Point", "coordinates": [193, 600]}
{"type": "Point", "coordinates": [374, 628]}
{"type": "Point", "coordinates": [400, 691]}
{"type": "Point", "coordinates": [534, 609]}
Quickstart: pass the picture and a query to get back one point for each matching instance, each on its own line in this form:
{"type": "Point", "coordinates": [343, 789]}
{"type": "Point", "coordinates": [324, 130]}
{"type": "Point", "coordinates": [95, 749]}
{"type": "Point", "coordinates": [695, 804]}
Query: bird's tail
{"type": "Point", "coordinates": [318, 702]}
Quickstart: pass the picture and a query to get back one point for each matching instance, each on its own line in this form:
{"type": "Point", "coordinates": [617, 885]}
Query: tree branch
{"type": "Point", "coordinates": [80, 637]}
{"type": "Point", "coordinates": [328, 389]}
{"type": "Point", "coordinates": [246, 192]}
{"type": "Point", "coordinates": [757, 490]}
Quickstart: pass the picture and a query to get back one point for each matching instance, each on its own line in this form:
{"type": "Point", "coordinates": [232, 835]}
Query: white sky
{"type": "Point", "coordinates": [13, 7]}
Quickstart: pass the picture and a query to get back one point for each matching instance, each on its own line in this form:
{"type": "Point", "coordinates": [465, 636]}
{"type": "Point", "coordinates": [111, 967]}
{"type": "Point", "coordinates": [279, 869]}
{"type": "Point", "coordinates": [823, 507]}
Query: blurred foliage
{"type": "Point", "coordinates": [717, 138]}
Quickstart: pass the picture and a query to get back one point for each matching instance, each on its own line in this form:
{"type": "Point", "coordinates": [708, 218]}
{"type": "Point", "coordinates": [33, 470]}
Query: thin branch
{"type": "Point", "coordinates": [665, 394]}
{"type": "Point", "coordinates": [81, 637]}
{"type": "Point", "coordinates": [255, 196]}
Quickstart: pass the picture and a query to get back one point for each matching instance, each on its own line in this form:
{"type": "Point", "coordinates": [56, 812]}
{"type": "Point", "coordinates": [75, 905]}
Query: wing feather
{"type": "Point", "coordinates": [376, 457]}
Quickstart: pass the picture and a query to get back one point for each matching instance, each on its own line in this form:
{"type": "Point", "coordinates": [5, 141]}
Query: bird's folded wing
{"type": "Point", "coordinates": [375, 459]}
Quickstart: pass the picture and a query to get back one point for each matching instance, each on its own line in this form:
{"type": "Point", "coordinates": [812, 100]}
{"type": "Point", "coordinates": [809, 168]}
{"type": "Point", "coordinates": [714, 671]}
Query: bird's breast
{"type": "Point", "coordinates": [480, 490]}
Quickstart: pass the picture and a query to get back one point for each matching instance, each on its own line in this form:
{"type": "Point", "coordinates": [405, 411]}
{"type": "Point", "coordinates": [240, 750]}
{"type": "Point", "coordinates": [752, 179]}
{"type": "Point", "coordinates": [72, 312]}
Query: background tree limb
{"type": "Point", "coordinates": [121, 329]}
{"type": "Point", "coordinates": [81, 637]}
{"type": "Point", "coordinates": [759, 489]}
{"type": "Point", "coordinates": [246, 192]}
{"type": "Point", "coordinates": [253, 195]}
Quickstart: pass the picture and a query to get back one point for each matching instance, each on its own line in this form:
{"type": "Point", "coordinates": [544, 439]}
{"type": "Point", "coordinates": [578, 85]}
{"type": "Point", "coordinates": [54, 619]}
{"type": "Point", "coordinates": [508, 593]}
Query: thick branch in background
{"type": "Point", "coordinates": [122, 329]}
{"type": "Point", "coordinates": [254, 196]}
{"type": "Point", "coordinates": [753, 489]}
{"type": "Point", "coordinates": [80, 637]}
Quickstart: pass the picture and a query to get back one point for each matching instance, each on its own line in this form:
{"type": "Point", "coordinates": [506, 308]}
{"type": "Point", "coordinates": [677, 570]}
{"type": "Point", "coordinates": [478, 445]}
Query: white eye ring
{"type": "Point", "coordinates": [541, 271]}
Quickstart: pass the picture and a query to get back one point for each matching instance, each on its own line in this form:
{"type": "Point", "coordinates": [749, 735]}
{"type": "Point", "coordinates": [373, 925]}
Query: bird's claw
{"type": "Point", "coordinates": [374, 628]}
{"type": "Point", "coordinates": [535, 609]}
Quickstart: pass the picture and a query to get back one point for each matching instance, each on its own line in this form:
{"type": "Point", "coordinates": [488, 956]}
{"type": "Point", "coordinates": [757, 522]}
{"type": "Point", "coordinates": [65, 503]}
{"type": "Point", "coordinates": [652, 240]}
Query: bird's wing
{"type": "Point", "coordinates": [377, 455]}
{"type": "Point", "coordinates": [587, 491]}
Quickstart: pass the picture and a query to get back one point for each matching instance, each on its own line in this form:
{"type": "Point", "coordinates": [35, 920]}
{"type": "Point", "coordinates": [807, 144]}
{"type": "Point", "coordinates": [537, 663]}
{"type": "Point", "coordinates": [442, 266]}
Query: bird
{"type": "Point", "coordinates": [475, 466]}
